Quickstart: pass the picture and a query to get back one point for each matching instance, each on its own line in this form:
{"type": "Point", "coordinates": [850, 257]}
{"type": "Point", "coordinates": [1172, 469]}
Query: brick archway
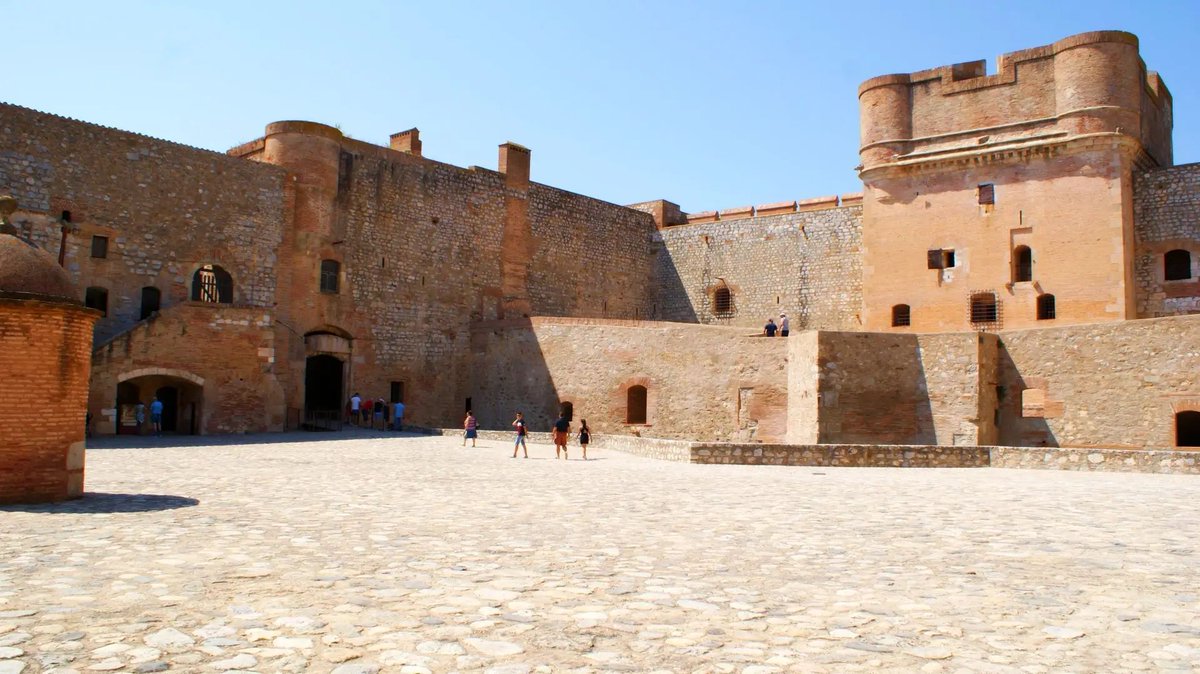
{"type": "Point", "coordinates": [161, 372]}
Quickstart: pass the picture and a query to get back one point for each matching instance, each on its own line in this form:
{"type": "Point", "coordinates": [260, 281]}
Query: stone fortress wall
{"type": "Point", "coordinates": [772, 259]}
{"type": "Point", "coordinates": [164, 208]}
{"type": "Point", "coordinates": [359, 267]}
{"type": "Point", "coordinates": [1166, 204]}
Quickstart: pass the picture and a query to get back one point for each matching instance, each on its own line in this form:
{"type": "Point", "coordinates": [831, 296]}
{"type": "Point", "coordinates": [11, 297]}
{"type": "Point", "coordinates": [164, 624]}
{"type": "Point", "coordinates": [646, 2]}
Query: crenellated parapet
{"type": "Point", "coordinates": [1086, 84]}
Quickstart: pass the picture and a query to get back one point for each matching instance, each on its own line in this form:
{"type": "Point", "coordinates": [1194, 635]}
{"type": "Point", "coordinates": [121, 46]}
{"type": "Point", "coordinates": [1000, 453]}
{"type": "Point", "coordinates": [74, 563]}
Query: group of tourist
{"type": "Point", "coordinates": [376, 414]}
{"type": "Point", "coordinates": [562, 434]}
{"type": "Point", "coordinates": [156, 412]}
{"type": "Point", "coordinates": [783, 327]}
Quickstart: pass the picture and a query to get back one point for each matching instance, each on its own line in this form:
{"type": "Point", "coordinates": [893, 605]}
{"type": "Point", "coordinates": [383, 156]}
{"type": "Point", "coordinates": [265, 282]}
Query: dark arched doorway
{"type": "Point", "coordinates": [169, 397]}
{"type": "Point", "coordinates": [1187, 429]}
{"type": "Point", "coordinates": [323, 391]}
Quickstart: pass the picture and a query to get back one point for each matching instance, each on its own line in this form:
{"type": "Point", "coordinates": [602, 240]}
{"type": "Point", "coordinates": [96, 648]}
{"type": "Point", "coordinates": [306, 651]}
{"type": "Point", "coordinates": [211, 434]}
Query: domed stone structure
{"type": "Point", "coordinates": [45, 355]}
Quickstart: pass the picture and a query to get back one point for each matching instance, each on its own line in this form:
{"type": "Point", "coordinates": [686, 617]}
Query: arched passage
{"type": "Point", "coordinates": [1187, 429]}
{"type": "Point", "coordinates": [182, 398]}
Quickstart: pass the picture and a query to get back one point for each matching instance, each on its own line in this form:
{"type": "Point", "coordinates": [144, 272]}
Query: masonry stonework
{"type": "Point", "coordinates": [986, 284]}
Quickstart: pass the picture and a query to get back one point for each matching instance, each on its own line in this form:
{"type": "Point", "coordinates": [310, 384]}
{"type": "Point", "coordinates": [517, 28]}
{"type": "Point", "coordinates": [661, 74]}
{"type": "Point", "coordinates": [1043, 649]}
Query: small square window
{"type": "Point", "coordinates": [947, 259]}
{"type": "Point", "coordinates": [100, 246]}
{"type": "Point", "coordinates": [987, 194]}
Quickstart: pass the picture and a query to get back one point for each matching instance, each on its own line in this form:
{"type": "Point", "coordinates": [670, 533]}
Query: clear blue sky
{"type": "Point", "coordinates": [710, 105]}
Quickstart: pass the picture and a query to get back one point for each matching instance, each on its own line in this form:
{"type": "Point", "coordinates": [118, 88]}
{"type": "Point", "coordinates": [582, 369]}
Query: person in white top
{"type": "Point", "coordinates": [355, 407]}
{"type": "Point", "coordinates": [783, 325]}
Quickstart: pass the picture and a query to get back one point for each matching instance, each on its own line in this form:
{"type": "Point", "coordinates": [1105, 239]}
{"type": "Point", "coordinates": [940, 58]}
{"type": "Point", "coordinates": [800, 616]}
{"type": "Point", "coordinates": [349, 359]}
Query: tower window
{"type": "Point", "coordinates": [99, 246]}
{"type": "Point", "coordinates": [987, 194]}
{"type": "Point", "coordinates": [1177, 265]}
{"type": "Point", "coordinates": [329, 275]}
{"type": "Point", "coordinates": [983, 308]}
{"type": "Point", "coordinates": [1022, 264]}
{"type": "Point", "coordinates": [1045, 307]}
{"type": "Point", "coordinates": [941, 258]}
{"type": "Point", "coordinates": [901, 315]}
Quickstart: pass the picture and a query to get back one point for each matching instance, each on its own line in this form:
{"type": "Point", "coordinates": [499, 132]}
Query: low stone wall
{"type": "Point", "coordinates": [882, 456]}
{"type": "Point", "coordinates": [650, 448]}
{"type": "Point", "coordinates": [1100, 460]}
{"type": "Point", "coordinates": [892, 456]}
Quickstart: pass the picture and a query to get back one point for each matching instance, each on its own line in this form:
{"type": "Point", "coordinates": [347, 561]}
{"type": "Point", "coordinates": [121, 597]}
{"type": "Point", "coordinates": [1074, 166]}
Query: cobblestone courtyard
{"type": "Point", "coordinates": [413, 554]}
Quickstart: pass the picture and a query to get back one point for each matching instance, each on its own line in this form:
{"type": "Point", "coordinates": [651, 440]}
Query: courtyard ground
{"type": "Point", "coordinates": [355, 553]}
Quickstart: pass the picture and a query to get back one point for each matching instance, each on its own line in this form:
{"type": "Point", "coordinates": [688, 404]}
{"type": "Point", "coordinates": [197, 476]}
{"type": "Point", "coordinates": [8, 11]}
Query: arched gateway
{"type": "Point", "coordinates": [327, 352]}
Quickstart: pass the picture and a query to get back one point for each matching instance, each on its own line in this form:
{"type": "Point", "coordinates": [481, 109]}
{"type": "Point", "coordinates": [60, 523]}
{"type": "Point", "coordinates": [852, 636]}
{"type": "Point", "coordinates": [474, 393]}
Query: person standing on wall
{"type": "Point", "coordinates": [355, 408]}
{"type": "Point", "coordinates": [398, 416]}
{"type": "Point", "coordinates": [562, 430]}
{"type": "Point", "coordinates": [585, 436]}
{"type": "Point", "coordinates": [770, 328]}
{"type": "Point", "coordinates": [156, 411]}
{"type": "Point", "coordinates": [784, 325]}
{"type": "Point", "coordinates": [519, 424]}
{"type": "Point", "coordinates": [470, 429]}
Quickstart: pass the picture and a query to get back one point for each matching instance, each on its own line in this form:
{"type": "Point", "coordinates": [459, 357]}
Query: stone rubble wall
{"type": "Point", "coordinates": [1097, 460]}
{"type": "Point", "coordinates": [1166, 206]}
{"type": "Point", "coordinates": [231, 349]}
{"type": "Point", "coordinates": [806, 264]}
{"type": "Point", "coordinates": [892, 456]}
{"type": "Point", "coordinates": [1104, 385]}
{"type": "Point", "coordinates": [166, 209]}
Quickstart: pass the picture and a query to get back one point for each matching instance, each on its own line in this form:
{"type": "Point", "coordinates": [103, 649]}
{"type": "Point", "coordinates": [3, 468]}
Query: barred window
{"type": "Point", "coordinates": [722, 301]}
{"type": "Point", "coordinates": [983, 308]}
{"type": "Point", "coordinates": [1045, 307]}
{"type": "Point", "coordinates": [901, 315]}
{"type": "Point", "coordinates": [212, 284]}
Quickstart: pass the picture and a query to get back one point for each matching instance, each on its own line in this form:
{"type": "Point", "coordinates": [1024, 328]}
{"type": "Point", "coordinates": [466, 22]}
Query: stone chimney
{"type": "Point", "coordinates": [514, 164]}
{"type": "Point", "coordinates": [408, 142]}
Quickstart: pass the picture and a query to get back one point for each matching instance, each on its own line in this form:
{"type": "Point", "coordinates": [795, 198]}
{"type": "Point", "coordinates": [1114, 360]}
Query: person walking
{"type": "Point", "coordinates": [156, 412]}
{"type": "Point", "coordinates": [139, 415]}
{"type": "Point", "coordinates": [398, 416]}
{"type": "Point", "coordinates": [519, 424]}
{"type": "Point", "coordinates": [770, 328]}
{"type": "Point", "coordinates": [470, 429]}
{"type": "Point", "coordinates": [585, 436]}
{"type": "Point", "coordinates": [784, 325]}
{"type": "Point", "coordinates": [562, 430]}
{"type": "Point", "coordinates": [355, 408]}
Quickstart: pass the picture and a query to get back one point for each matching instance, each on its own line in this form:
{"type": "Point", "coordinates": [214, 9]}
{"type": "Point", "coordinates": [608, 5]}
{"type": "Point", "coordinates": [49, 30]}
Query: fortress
{"type": "Point", "coordinates": [1020, 268]}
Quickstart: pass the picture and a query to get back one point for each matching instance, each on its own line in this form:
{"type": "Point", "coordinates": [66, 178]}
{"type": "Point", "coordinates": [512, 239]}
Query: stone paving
{"type": "Point", "coordinates": [410, 554]}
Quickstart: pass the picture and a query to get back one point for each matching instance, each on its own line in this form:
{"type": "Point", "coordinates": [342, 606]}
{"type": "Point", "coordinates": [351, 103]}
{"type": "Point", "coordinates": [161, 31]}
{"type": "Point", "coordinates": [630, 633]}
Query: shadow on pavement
{"type": "Point", "coordinates": [99, 502]}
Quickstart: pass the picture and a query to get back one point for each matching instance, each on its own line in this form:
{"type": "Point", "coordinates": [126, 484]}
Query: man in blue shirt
{"type": "Point", "coordinates": [397, 416]}
{"type": "Point", "coordinates": [770, 328]}
{"type": "Point", "coordinates": [156, 410]}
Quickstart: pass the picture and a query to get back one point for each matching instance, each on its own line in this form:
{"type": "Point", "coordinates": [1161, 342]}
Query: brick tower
{"type": "Point", "coordinates": [1006, 200]}
{"type": "Point", "coordinates": [45, 355]}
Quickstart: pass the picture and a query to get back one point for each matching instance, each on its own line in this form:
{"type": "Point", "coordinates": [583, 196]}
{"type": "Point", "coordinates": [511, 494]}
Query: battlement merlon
{"type": "Point", "coordinates": [1085, 84]}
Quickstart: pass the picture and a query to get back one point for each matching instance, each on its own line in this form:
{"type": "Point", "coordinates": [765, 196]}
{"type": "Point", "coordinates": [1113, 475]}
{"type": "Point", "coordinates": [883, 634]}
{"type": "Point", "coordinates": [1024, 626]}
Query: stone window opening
{"type": "Point", "coordinates": [1187, 429]}
{"type": "Point", "coordinates": [330, 270]}
{"type": "Point", "coordinates": [1177, 265]}
{"type": "Point", "coordinates": [397, 393]}
{"type": "Point", "coordinates": [1022, 264]}
{"type": "Point", "coordinates": [635, 405]}
{"type": "Point", "coordinates": [151, 301]}
{"type": "Point", "coordinates": [99, 244]}
{"type": "Point", "coordinates": [212, 284]}
{"type": "Point", "coordinates": [1045, 307]}
{"type": "Point", "coordinates": [722, 301]}
{"type": "Point", "coordinates": [987, 194]}
{"type": "Point", "coordinates": [901, 316]}
{"type": "Point", "coordinates": [96, 298]}
{"type": "Point", "coordinates": [984, 308]}
{"type": "Point", "coordinates": [941, 258]}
